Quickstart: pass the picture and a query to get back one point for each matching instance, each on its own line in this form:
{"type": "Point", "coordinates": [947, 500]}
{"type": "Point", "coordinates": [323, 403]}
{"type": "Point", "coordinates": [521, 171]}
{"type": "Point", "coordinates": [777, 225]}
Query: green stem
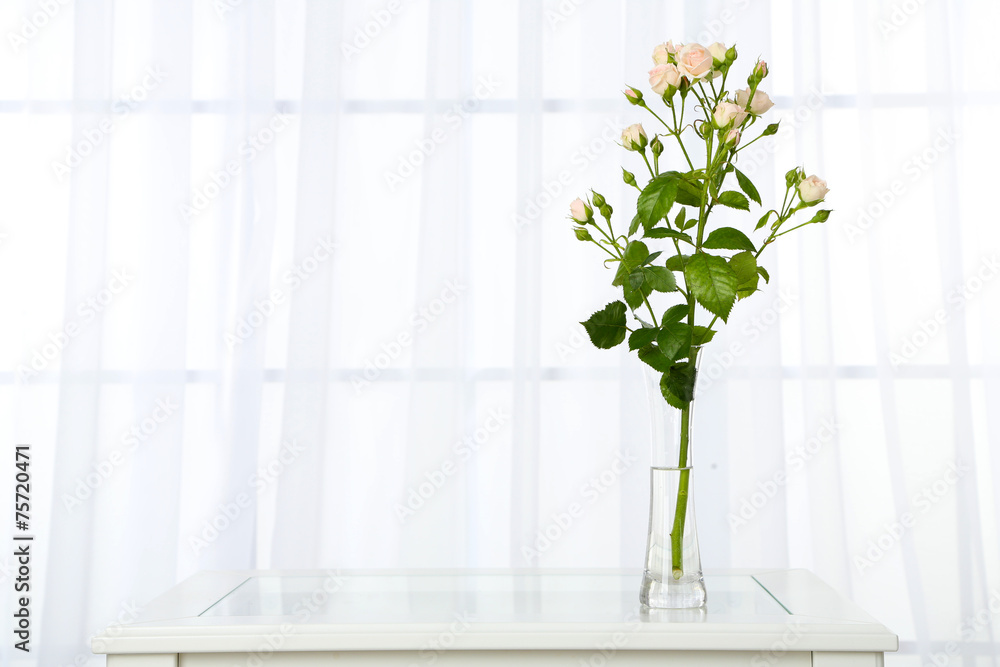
{"type": "Point", "coordinates": [792, 229]}
{"type": "Point", "coordinates": [646, 160]}
{"type": "Point", "coordinates": [677, 531]}
{"type": "Point", "coordinates": [650, 309]}
{"type": "Point", "coordinates": [680, 513]}
{"type": "Point", "coordinates": [749, 143]}
{"type": "Point", "coordinates": [610, 239]}
{"type": "Point", "coordinates": [677, 135]}
{"type": "Point", "coordinates": [604, 249]}
{"type": "Point", "coordinates": [655, 115]}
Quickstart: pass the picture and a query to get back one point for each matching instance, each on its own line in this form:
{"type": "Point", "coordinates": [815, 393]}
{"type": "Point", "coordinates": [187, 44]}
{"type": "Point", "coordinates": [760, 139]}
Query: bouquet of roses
{"type": "Point", "coordinates": [698, 264]}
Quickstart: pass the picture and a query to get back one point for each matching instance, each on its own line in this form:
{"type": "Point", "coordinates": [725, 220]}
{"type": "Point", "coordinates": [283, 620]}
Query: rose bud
{"type": "Point", "coordinates": [579, 211]}
{"type": "Point", "coordinates": [634, 137]}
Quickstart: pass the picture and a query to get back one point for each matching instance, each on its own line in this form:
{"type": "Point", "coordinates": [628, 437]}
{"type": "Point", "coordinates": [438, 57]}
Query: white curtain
{"type": "Point", "coordinates": [290, 285]}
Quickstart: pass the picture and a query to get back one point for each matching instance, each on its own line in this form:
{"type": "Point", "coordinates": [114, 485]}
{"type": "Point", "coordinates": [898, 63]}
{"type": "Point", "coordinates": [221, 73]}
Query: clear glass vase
{"type": "Point", "coordinates": [672, 578]}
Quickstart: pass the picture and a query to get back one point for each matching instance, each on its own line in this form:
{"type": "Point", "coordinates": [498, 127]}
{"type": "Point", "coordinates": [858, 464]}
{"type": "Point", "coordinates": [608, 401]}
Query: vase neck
{"type": "Point", "coordinates": [670, 428]}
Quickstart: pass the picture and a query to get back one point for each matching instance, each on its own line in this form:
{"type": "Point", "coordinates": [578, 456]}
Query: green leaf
{"type": "Point", "coordinates": [606, 327]}
{"type": "Point", "coordinates": [668, 395]}
{"type": "Point", "coordinates": [582, 234]}
{"type": "Point", "coordinates": [821, 216]}
{"type": "Point", "coordinates": [701, 335]}
{"type": "Point", "coordinates": [664, 233]}
{"type": "Point", "coordinates": [712, 282]}
{"type": "Point", "coordinates": [675, 313]}
{"type": "Point", "coordinates": [728, 238]}
{"type": "Point", "coordinates": [744, 265]}
{"type": "Point", "coordinates": [681, 218]}
{"type": "Point", "coordinates": [747, 186]}
{"type": "Point", "coordinates": [769, 130]}
{"type": "Point", "coordinates": [674, 340]}
{"type": "Point", "coordinates": [634, 227]}
{"type": "Point", "coordinates": [762, 271]}
{"type": "Point", "coordinates": [652, 257]}
{"type": "Point", "coordinates": [651, 355]}
{"type": "Point", "coordinates": [677, 262]}
{"type": "Point", "coordinates": [657, 198]}
{"type": "Point", "coordinates": [636, 253]}
{"type": "Point", "coordinates": [689, 193]}
{"type": "Point", "coordinates": [660, 279]}
{"type": "Point", "coordinates": [636, 279]}
{"type": "Point", "coordinates": [642, 337]}
{"type": "Point", "coordinates": [621, 275]}
{"type": "Point", "coordinates": [634, 296]}
{"type": "Point", "coordinates": [747, 289]}
{"type": "Point", "coordinates": [763, 220]}
{"type": "Point", "coordinates": [680, 382]}
{"type": "Point", "coordinates": [682, 222]}
{"type": "Point", "coordinates": [734, 199]}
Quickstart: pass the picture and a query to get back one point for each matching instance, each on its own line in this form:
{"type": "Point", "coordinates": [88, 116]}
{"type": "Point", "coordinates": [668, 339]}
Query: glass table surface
{"type": "Point", "coordinates": [481, 598]}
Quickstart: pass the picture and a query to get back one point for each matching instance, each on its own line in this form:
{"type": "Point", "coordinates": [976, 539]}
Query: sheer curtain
{"type": "Point", "coordinates": [290, 285]}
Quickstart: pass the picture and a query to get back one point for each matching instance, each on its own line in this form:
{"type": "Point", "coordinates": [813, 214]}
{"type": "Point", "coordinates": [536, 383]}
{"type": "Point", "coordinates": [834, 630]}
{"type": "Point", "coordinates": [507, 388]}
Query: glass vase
{"type": "Point", "coordinates": [672, 578]}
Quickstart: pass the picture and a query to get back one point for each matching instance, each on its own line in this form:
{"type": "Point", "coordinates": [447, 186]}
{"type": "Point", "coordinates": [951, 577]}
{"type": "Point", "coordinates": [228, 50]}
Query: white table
{"type": "Point", "coordinates": [497, 618]}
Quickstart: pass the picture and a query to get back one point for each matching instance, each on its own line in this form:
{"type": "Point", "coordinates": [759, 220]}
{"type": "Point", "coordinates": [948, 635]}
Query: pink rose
{"type": "Point", "coordinates": [761, 69]}
{"type": "Point", "coordinates": [813, 189]}
{"type": "Point", "coordinates": [761, 102]}
{"type": "Point", "coordinates": [662, 76]}
{"type": "Point", "coordinates": [733, 138]}
{"type": "Point", "coordinates": [728, 113]}
{"type": "Point", "coordinates": [694, 61]}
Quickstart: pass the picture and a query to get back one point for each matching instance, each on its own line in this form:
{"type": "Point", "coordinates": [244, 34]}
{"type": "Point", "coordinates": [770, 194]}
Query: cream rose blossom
{"type": "Point", "coordinates": [727, 113]}
{"type": "Point", "coordinates": [694, 61]}
{"type": "Point", "coordinates": [760, 104]}
{"type": "Point", "coordinates": [718, 51]}
{"type": "Point", "coordinates": [662, 76]}
{"type": "Point", "coordinates": [662, 53]}
{"type": "Point", "coordinates": [813, 189]}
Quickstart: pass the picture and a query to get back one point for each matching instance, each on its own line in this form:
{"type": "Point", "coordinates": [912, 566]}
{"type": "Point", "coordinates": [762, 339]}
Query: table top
{"type": "Point", "coordinates": [490, 610]}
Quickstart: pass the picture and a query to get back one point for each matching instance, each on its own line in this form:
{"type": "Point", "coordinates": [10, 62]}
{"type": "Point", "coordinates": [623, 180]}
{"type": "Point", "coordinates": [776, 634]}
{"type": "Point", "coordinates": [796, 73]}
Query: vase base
{"type": "Point", "coordinates": [688, 592]}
